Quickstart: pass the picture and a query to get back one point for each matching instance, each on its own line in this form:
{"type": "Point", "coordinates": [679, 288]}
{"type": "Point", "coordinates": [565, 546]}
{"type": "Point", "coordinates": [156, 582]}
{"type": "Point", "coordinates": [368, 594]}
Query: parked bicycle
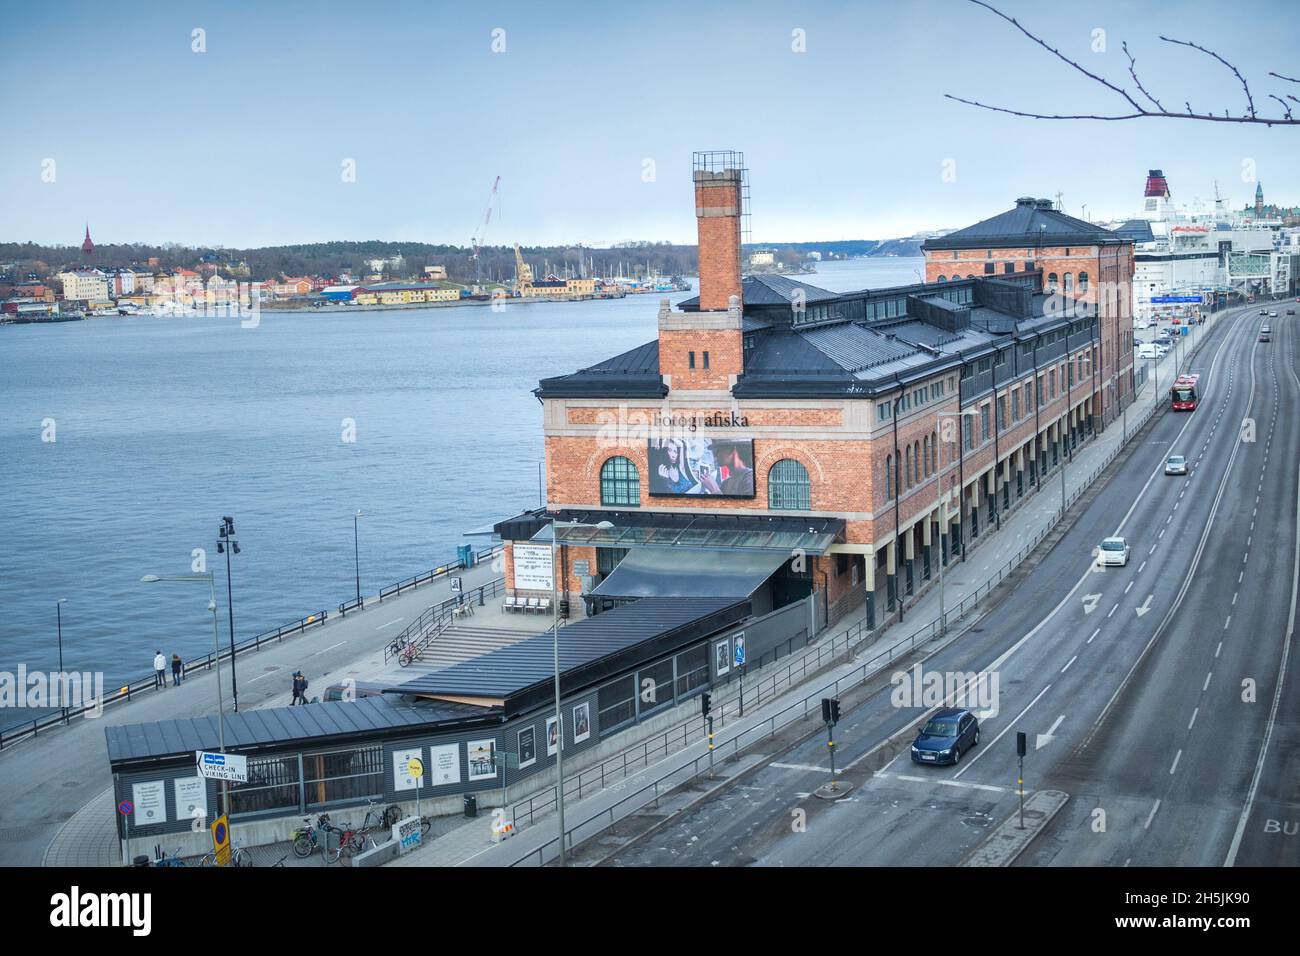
{"type": "Point", "coordinates": [410, 653]}
{"type": "Point", "coordinates": [160, 858]}
{"type": "Point", "coordinates": [238, 857]}
{"type": "Point", "coordinates": [397, 645]}
{"type": "Point", "coordinates": [376, 820]}
{"type": "Point", "coordinates": [306, 838]}
{"type": "Point", "coordinates": [350, 842]}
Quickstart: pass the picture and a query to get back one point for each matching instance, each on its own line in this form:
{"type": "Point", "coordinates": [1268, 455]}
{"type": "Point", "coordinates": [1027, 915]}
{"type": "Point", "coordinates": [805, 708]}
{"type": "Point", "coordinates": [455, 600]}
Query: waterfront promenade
{"type": "Point", "coordinates": [63, 778]}
{"type": "Point", "coordinates": [46, 780]}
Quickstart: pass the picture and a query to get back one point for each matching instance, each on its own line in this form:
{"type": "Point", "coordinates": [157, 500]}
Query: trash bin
{"type": "Point", "coordinates": [471, 805]}
{"type": "Point", "coordinates": [465, 554]}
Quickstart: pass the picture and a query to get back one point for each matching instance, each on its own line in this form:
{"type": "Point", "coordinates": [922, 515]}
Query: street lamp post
{"type": "Point", "coordinates": [211, 579]}
{"type": "Point", "coordinates": [356, 553]}
{"type": "Point", "coordinates": [555, 641]}
{"type": "Point", "coordinates": [58, 611]}
{"type": "Point", "coordinates": [938, 427]}
{"type": "Point", "coordinates": [226, 543]}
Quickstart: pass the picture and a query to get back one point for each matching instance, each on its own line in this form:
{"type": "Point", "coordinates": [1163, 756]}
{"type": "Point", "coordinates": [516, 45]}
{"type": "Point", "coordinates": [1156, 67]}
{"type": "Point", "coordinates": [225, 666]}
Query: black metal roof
{"type": "Point", "coordinates": [632, 374]}
{"type": "Point", "coordinates": [1032, 222]}
{"type": "Point", "coordinates": [591, 651]}
{"type": "Point", "coordinates": [251, 730]}
{"type": "Point", "coordinates": [1136, 230]}
{"type": "Point", "coordinates": [766, 289]}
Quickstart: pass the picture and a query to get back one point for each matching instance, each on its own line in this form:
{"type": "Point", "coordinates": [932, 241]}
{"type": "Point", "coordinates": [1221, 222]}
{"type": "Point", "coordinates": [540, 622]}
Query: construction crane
{"type": "Point", "coordinates": [477, 240]}
{"type": "Point", "coordinates": [523, 272]}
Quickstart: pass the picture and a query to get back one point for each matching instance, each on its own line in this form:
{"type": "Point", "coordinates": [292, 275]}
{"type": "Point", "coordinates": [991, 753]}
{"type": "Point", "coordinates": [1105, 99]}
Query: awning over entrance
{"type": "Point", "coordinates": [690, 572]}
{"type": "Point", "coordinates": [783, 534]}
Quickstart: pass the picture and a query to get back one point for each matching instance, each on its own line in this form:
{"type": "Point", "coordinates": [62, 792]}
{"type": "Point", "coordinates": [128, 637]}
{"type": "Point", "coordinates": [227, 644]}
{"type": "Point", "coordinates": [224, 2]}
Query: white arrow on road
{"type": "Point", "coordinates": [1146, 606]}
{"type": "Point", "coordinates": [1090, 603]}
{"type": "Point", "coordinates": [1044, 739]}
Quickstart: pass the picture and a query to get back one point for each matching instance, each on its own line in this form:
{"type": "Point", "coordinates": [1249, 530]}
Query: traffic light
{"type": "Point", "coordinates": [830, 710]}
{"type": "Point", "coordinates": [1020, 744]}
{"type": "Point", "coordinates": [704, 705]}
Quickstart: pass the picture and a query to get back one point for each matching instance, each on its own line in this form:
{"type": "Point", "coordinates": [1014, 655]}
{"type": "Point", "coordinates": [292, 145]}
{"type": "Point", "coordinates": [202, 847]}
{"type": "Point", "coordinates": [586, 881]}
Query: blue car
{"type": "Point", "coordinates": [946, 736]}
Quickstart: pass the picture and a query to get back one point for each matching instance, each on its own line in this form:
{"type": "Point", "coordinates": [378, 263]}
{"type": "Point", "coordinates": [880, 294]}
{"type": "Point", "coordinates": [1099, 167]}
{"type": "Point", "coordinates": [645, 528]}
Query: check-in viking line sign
{"type": "Point", "coordinates": [215, 766]}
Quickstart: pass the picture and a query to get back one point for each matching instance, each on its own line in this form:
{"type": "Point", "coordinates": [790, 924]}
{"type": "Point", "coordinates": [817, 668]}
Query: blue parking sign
{"type": "Point", "coordinates": [738, 648]}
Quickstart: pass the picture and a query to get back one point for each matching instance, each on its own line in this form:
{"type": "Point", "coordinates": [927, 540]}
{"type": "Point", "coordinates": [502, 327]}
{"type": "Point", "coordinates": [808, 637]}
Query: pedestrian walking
{"type": "Point", "coordinates": [177, 670]}
{"type": "Point", "coordinates": [299, 689]}
{"type": "Point", "coordinates": [159, 669]}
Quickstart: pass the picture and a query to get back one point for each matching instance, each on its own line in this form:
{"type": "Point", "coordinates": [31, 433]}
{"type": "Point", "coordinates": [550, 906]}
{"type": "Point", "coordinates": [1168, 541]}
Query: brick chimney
{"type": "Point", "coordinates": [718, 177]}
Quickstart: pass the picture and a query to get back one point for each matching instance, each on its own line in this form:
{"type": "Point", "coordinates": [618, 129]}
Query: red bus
{"type": "Point", "coordinates": [1183, 395]}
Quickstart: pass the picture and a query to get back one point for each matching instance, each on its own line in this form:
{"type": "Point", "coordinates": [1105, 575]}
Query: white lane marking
{"type": "Point", "coordinates": [1231, 858]}
{"type": "Point", "coordinates": [1152, 551]}
{"type": "Point", "coordinates": [254, 680]}
{"type": "Point", "coordinates": [1094, 634]}
{"type": "Point", "coordinates": [390, 623]}
{"type": "Point", "coordinates": [1195, 711]}
{"type": "Point", "coordinates": [1151, 816]}
{"type": "Point", "coordinates": [1234, 598]}
{"type": "Point", "coordinates": [324, 649]}
{"type": "Point", "coordinates": [1128, 587]}
{"type": "Point", "coordinates": [807, 767]}
{"type": "Point", "coordinates": [970, 763]}
{"type": "Point", "coordinates": [1178, 756]}
{"type": "Point", "coordinates": [1141, 566]}
{"type": "Point", "coordinates": [1227, 622]}
{"type": "Point", "coordinates": [1206, 685]}
{"type": "Point", "coordinates": [944, 782]}
{"type": "Point", "coordinates": [1217, 649]}
{"type": "Point", "coordinates": [1240, 576]}
{"type": "Point", "coordinates": [1162, 533]}
{"type": "Point", "coordinates": [1066, 668]}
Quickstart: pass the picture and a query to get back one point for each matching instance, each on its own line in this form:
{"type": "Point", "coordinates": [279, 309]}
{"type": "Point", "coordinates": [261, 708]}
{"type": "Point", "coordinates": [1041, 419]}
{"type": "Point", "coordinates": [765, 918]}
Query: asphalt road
{"type": "Point", "coordinates": [1128, 681]}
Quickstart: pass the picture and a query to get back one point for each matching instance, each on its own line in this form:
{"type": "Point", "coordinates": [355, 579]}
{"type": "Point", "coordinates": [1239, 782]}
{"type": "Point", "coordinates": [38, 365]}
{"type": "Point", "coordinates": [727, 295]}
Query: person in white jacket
{"type": "Point", "coordinates": [159, 670]}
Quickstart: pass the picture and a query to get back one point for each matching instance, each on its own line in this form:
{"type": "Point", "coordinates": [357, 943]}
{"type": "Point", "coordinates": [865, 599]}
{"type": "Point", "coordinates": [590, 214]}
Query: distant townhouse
{"type": "Point", "coordinates": [84, 285]}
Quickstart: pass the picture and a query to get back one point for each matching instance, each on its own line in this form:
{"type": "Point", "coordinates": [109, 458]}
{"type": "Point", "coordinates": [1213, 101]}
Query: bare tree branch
{"type": "Point", "coordinates": [1250, 100]}
{"type": "Point", "coordinates": [1138, 110]}
{"type": "Point", "coordinates": [1132, 63]}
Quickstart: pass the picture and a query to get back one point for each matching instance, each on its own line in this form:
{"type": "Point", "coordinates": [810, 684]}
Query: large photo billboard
{"type": "Point", "coordinates": [703, 467]}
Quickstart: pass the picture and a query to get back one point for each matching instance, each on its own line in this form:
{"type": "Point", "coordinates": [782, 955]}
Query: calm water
{"type": "Point", "coordinates": [164, 425]}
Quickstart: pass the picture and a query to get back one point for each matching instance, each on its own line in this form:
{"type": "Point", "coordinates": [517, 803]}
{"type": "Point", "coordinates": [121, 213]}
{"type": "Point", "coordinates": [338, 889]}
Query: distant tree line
{"type": "Point", "coordinates": [496, 263]}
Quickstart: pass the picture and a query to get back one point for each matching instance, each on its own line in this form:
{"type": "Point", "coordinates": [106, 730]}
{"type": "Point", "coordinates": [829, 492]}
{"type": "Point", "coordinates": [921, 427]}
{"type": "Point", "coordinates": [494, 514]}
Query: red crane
{"type": "Point", "coordinates": [477, 240]}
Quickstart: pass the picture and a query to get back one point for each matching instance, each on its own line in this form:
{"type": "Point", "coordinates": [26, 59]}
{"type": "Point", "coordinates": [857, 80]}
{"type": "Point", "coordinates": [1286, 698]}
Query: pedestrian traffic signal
{"type": "Point", "coordinates": [830, 710]}
{"type": "Point", "coordinates": [704, 705]}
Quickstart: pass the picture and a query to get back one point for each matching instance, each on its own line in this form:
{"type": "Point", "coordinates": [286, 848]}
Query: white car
{"type": "Point", "coordinates": [1113, 551]}
{"type": "Point", "coordinates": [1175, 465]}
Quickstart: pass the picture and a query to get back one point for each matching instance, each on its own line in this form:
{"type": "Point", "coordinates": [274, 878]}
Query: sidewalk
{"type": "Point", "coordinates": [52, 782]}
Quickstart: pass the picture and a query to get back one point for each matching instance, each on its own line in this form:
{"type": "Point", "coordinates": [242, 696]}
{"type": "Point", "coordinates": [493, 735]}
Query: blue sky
{"type": "Point", "coordinates": [243, 145]}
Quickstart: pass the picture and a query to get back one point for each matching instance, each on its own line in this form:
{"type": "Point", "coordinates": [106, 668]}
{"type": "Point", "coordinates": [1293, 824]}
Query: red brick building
{"type": "Point", "coordinates": [777, 440]}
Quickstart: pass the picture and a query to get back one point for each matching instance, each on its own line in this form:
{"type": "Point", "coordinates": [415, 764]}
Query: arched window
{"type": "Point", "coordinates": [889, 477]}
{"type": "Point", "coordinates": [925, 457]}
{"type": "Point", "coordinates": [934, 450]}
{"type": "Point", "coordinates": [788, 487]}
{"type": "Point", "coordinates": [907, 468]}
{"type": "Point", "coordinates": [1083, 282]}
{"type": "Point", "coordinates": [1051, 281]}
{"type": "Point", "coordinates": [1067, 282]}
{"type": "Point", "coordinates": [943, 278]}
{"type": "Point", "coordinates": [619, 482]}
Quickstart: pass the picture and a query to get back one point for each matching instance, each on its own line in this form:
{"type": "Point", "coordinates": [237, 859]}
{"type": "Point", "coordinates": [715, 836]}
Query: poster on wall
{"type": "Point", "coordinates": [552, 736]}
{"type": "Point", "coordinates": [191, 798]}
{"type": "Point", "coordinates": [533, 567]}
{"type": "Point", "coordinates": [581, 722]}
{"type": "Point", "coordinates": [402, 778]}
{"type": "Point", "coordinates": [722, 655]}
{"type": "Point", "coordinates": [444, 765]}
{"type": "Point", "coordinates": [710, 467]}
{"type": "Point", "coordinates": [150, 803]}
{"type": "Point", "coordinates": [482, 759]}
{"type": "Point", "coordinates": [527, 747]}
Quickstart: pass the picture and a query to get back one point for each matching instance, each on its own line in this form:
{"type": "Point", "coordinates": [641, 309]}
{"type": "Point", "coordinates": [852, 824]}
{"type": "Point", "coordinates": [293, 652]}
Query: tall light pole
{"type": "Point", "coordinates": [938, 429]}
{"type": "Point", "coordinates": [58, 612]}
{"type": "Point", "coordinates": [210, 578]}
{"type": "Point", "coordinates": [226, 543]}
{"type": "Point", "coordinates": [555, 640]}
{"type": "Point", "coordinates": [356, 553]}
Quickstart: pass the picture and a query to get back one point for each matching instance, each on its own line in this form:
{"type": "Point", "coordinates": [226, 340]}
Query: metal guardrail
{"type": "Point", "coordinates": [441, 571]}
{"type": "Point", "coordinates": [814, 659]}
{"type": "Point", "coordinates": [14, 734]}
{"type": "Point", "coordinates": [425, 629]}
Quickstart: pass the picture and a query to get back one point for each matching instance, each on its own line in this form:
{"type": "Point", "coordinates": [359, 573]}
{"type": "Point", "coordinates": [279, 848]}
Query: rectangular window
{"type": "Point", "coordinates": [692, 360]}
{"type": "Point", "coordinates": [984, 423]}
{"type": "Point", "coordinates": [343, 775]}
{"type": "Point", "coordinates": [970, 438]}
{"type": "Point", "coordinates": [1015, 405]}
{"type": "Point", "coordinates": [272, 785]}
{"type": "Point", "coordinates": [616, 703]}
{"type": "Point", "coordinates": [692, 670]}
{"type": "Point", "coordinates": [706, 359]}
{"type": "Point", "coordinates": [655, 684]}
{"type": "Point", "coordinates": [989, 268]}
{"type": "Point", "coordinates": [1002, 413]}
{"type": "Point", "coordinates": [882, 412]}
